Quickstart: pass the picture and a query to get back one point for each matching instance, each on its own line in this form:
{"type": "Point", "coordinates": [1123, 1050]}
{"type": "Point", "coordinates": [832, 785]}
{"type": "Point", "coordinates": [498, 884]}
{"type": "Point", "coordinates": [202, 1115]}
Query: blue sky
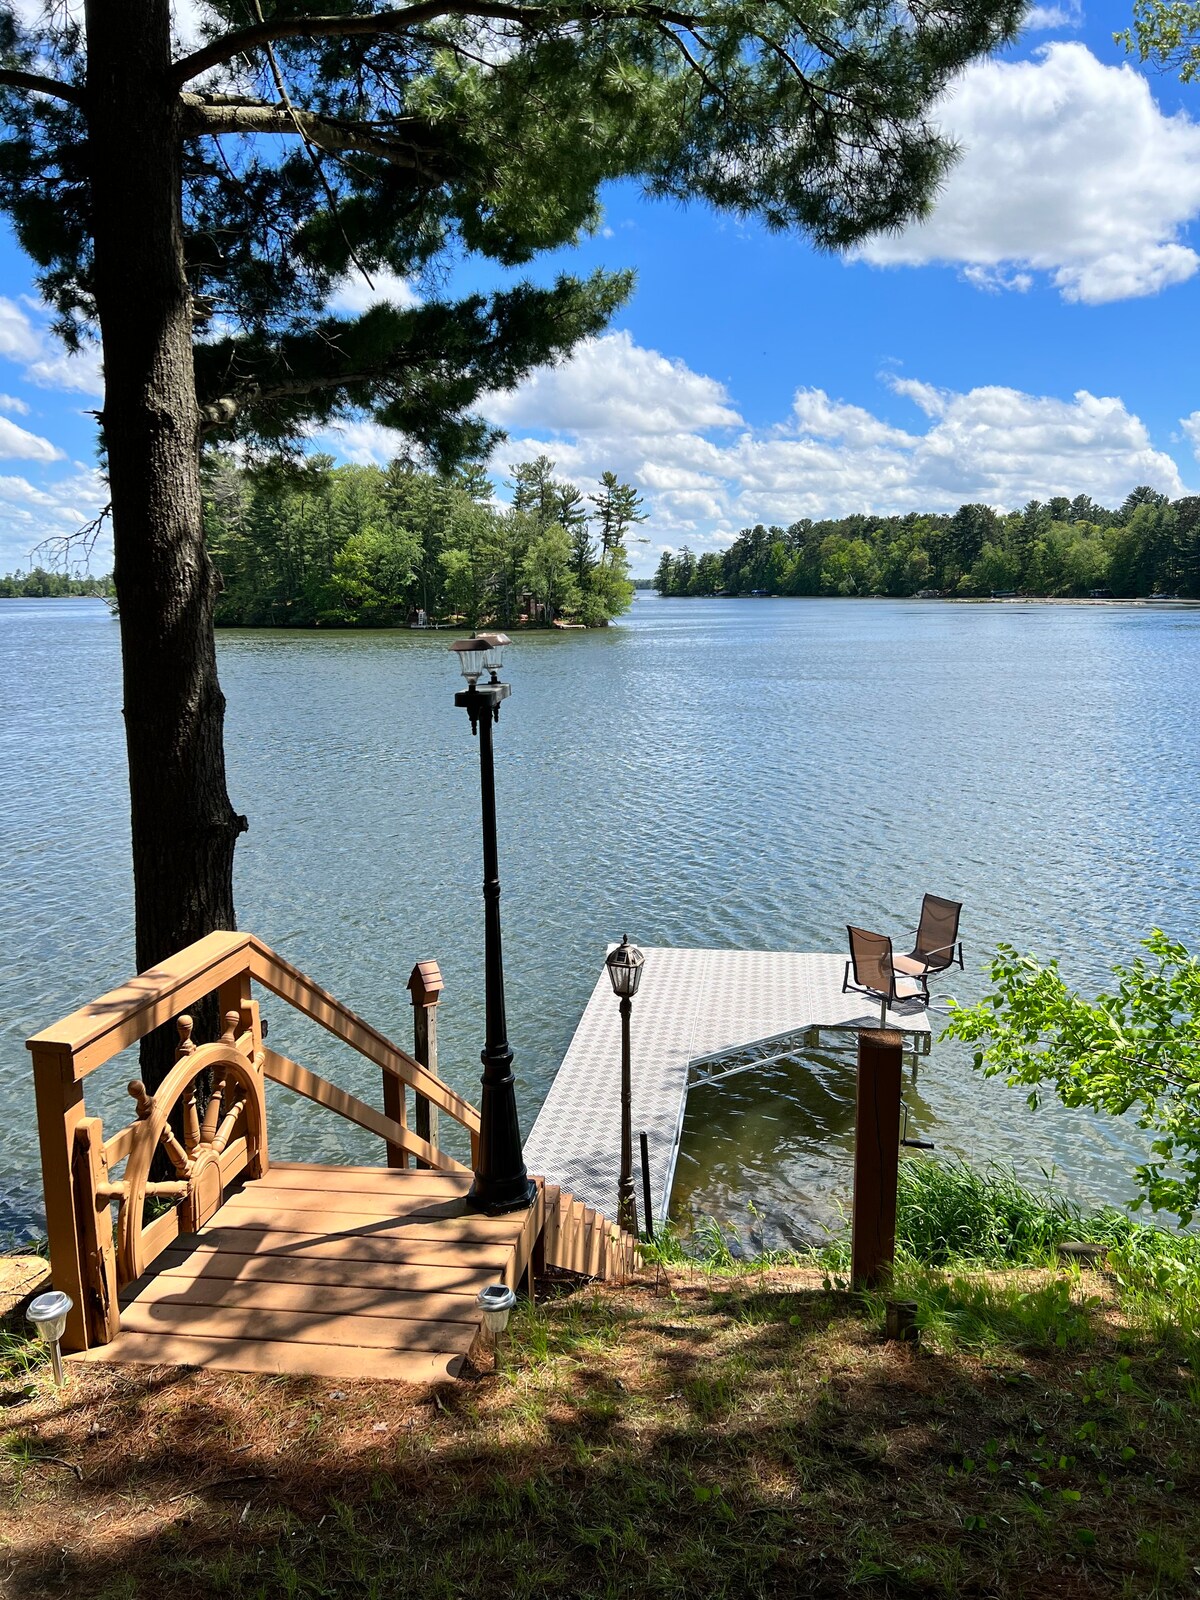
{"type": "Point", "coordinates": [1034, 337]}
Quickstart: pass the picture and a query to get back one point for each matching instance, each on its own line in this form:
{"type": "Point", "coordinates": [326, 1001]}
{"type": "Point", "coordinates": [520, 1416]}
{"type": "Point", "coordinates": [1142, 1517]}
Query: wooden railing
{"type": "Point", "coordinates": [78, 1163]}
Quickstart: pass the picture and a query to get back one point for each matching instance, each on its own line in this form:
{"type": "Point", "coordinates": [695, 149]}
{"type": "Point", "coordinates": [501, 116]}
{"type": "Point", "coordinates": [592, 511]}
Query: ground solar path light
{"type": "Point", "coordinates": [48, 1313]}
{"type": "Point", "coordinates": [496, 1302]}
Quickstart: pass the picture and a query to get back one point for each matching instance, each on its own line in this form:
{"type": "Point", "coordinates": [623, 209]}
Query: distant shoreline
{"type": "Point", "coordinates": [957, 599]}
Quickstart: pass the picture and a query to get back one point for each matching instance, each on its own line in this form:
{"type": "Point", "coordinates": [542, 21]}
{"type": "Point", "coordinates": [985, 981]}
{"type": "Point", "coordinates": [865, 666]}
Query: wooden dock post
{"type": "Point", "coordinates": [876, 1157]}
{"type": "Point", "coordinates": [425, 985]}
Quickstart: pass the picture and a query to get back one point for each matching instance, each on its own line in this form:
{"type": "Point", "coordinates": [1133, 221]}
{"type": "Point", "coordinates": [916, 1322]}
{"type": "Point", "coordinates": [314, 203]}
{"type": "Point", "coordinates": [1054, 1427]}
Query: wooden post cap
{"type": "Point", "coordinates": [425, 983]}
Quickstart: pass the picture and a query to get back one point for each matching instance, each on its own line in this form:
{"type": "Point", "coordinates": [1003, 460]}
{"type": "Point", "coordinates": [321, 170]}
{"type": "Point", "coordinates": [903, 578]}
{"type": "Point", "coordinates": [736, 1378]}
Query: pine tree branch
{"type": "Point", "coordinates": [401, 20]}
{"type": "Point", "coordinates": [219, 413]}
{"type": "Point", "coordinates": [39, 85]}
{"type": "Point", "coordinates": [226, 115]}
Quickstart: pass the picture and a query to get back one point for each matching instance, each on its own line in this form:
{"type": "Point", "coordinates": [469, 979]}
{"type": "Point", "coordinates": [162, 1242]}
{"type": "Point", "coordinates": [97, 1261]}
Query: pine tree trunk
{"type": "Point", "coordinates": [184, 827]}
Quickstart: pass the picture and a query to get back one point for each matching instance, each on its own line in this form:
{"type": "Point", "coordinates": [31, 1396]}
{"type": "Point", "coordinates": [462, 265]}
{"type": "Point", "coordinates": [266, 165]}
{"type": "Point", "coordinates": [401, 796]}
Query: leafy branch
{"type": "Point", "coordinates": [1134, 1051]}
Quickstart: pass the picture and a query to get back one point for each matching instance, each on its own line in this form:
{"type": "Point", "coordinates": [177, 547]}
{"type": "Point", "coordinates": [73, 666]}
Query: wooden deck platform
{"type": "Point", "coordinates": [242, 1263]}
{"type": "Point", "coordinates": [344, 1272]}
{"type": "Point", "coordinates": [700, 1015]}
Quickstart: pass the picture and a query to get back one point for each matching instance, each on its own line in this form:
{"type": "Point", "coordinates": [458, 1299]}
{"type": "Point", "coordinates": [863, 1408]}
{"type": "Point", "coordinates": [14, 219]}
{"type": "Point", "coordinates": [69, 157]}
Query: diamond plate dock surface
{"type": "Point", "coordinates": [691, 1004]}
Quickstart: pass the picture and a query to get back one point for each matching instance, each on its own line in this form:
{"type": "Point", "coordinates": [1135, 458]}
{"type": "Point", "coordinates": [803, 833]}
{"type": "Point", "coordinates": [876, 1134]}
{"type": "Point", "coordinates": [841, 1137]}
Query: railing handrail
{"type": "Point", "coordinates": [89, 1037]}
{"type": "Point", "coordinates": [97, 1031]}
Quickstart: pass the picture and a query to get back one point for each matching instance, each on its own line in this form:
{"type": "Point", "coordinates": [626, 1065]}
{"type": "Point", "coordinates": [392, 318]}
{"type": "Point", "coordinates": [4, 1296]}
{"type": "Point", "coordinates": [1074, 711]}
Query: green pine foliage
{"type": "Point", "coordinates": [1149, 546]}
{"type": "Point", "coordinates": [321, 142]}
{"type": "Point", "coordinates": [372, 547]}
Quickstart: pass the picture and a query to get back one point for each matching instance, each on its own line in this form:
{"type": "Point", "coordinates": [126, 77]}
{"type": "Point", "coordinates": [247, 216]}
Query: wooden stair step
{"type": "Point", "coordinates": [302, 1297]}
{"type": "Point", "coordinates": [265, 1214]}
{"type": "Point", "coordinates": [402, 1277]}
{"type": "Point", "coordinates": [295, 1327]}
{"type": "Point", "coordinates": [279, 1356]}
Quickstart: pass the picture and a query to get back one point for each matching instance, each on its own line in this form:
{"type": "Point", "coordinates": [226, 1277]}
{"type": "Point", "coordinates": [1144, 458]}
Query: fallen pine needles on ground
{"type": "Point", "coordinates": [687, 1435]}
{"type": "Point", "coordinates": [743, 1431]}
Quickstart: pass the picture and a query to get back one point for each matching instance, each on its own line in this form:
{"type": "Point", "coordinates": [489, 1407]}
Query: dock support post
{"type": "Point", "coordinates": [425, 986]}
{"type": "Point", "coordinates": [876, 1157]}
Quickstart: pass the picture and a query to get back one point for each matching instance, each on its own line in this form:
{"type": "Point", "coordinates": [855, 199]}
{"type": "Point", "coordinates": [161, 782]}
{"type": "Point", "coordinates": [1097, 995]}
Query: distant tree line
{"type": "Point", "coordinates": [365, 546]}
{"type": "Point", "coordinates": [38, 584]}
{"type": "Point", "coordinates": [1149, 546]}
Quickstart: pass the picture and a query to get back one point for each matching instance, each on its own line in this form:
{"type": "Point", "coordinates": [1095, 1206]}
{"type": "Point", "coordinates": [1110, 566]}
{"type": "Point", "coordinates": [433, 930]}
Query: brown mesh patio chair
{"type": "Point", "coordinates": [936, 946]}
{"type": "Point", "coordinates": [875, 974]}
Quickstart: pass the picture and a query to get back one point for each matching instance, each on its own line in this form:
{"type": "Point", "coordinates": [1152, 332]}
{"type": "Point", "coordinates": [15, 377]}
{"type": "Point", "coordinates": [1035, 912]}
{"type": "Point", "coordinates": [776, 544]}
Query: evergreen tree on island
{"type": "Point", "coordinates": [196, 211]}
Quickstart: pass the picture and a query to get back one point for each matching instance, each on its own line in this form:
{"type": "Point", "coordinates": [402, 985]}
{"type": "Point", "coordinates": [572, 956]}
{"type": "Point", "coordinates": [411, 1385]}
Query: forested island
{"type": "Point", "coordinates": [317, 545]}
{"type": "Point", "coordinates": [366, 546]}
{"type": "Point", "coordinates": [1056, 548]}
{"type": "Point", "coordinates": [38, 584]}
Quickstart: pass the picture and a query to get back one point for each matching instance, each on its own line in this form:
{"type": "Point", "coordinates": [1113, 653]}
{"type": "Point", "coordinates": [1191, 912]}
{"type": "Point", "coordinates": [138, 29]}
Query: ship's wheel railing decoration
{"type": "Point", "coordinates": [236, 1106]}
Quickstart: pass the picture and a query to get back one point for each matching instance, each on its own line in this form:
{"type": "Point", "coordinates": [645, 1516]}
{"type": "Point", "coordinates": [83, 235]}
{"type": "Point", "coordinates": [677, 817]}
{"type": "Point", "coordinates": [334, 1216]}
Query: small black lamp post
{"type": "Point", "coordinates": [501, 1182]}
{"type": "Point", "coordinates": [625, 973]}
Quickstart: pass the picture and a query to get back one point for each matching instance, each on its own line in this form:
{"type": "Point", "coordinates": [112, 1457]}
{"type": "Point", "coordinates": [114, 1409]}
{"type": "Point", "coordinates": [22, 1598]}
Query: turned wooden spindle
{"type": "Point", "coordinates": [177, 1154]}
{"type": "Point", "coordinates": [145, 1102]}
{"type": "Point", "coordinates": [191, 1115]}
{"type": "Point", "coordinates": [212, 1112]}
{"type": "Point", "coordinates": [225, 1132]}
{"type": "Point", "coordinates": [232, 1021]}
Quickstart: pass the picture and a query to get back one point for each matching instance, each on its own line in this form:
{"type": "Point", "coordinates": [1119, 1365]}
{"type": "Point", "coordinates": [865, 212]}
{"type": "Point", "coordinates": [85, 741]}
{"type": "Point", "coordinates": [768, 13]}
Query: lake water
{"type": "Point", "coordinates": [749, 774]}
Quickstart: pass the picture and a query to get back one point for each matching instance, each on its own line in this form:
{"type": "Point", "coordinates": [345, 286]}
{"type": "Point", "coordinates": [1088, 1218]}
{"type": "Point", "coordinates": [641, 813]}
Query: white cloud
{"type": "Point", "coordinates": [814, 413]}
{"type": "Point", "coordinates": [21, 445]}
{"type": "Point", "coordinates": [611, 382]}
{"type": "Point", "coordinates": [1191, 428]}
{"type": "Point", "coordinates": [1050, 18]}
{"type": "Point", "coordinates": [355, 295]}
{"type": "Point", "coordinates": [704, 479]}
{"type": "Point", "coordinates": [1069, 168]}
{"type": "Point", "coordinates": [33, 512]}
{"type": "Point", "coordinates": [19, 339]}
{"type": "Point", "coordinates": [42, 359]}
{"type": "Point", "coordinates": [59, 369]}
{"type": "Point", "coordinates": [364, 442]}
{"type": "Point", "coordinates": [9, 402]}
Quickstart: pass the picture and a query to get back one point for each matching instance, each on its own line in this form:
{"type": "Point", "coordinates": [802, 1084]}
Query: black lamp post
{"type": "Point", "coordinates": [501, 1182]}
{"type": "Point", "coordinates": [625, 973]}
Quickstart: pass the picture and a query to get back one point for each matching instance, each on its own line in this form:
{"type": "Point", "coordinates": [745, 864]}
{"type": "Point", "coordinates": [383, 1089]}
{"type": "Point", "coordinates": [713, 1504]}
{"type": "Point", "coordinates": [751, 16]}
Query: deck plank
{"type": "Point", "coordinates": [470, 1229]}
{"type": "Point", "coordinates": [364, 1180]}
{"type": "Point", "coordinates": [350, 1245]}
{"type": "Point", "coordinates": [400, 1202]}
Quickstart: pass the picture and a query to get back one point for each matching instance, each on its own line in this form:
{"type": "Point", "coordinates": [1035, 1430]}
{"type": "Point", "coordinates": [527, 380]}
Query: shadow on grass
{"type": "Point", "coordinates": [739, 1439]}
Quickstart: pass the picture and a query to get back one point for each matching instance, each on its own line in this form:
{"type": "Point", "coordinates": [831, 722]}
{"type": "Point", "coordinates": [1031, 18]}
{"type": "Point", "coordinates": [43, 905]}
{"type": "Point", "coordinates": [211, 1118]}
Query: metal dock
{"type": "Point", "coordinates": [699, 1016]}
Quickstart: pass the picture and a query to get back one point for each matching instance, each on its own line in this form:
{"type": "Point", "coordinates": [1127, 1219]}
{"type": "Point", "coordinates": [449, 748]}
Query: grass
{"type": "Point", "coordinates": [698, 1433]}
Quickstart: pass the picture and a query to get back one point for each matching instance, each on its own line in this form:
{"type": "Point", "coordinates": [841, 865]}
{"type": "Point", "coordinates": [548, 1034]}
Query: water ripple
{"type": "Point", "coordinates": [752, 774]}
